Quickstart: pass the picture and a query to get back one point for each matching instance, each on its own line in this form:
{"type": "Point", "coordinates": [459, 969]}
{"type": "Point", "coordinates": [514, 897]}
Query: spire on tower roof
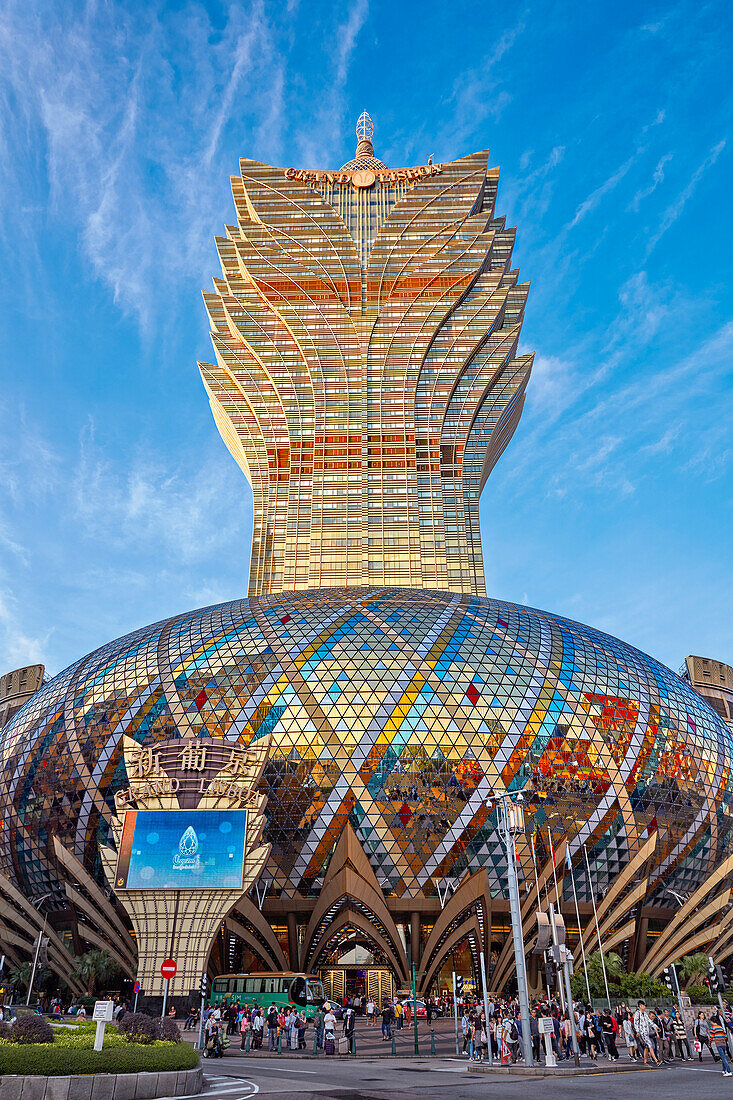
{"type": "Point", "coordinates": [364, 155]}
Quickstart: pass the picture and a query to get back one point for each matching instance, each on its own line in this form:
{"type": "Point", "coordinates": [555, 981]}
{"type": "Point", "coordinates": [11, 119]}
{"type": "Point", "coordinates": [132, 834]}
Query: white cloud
{"type": "Point", "coordinates": [595, 197]}
{"type": "Point", "coordinates": [185, 513]}
{"type": "Point", "coordinates": [129, 115]}
{"type": "Point", "coordinates": [17, 648]}
{"type": "Point", "coordinates": [673, 212]}
{"type": "Point", "coordinates": [657, 178]}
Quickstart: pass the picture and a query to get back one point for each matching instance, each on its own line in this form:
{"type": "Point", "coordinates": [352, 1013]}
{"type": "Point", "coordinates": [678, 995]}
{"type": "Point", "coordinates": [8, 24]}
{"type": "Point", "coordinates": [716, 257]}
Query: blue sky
{"type": "Point", "coordinates": [120, 125]}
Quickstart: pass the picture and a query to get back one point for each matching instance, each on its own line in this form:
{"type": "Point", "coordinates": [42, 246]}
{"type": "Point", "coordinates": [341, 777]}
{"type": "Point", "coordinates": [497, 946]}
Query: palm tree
{"type": "Point", "coordinates": [19, 976]}
{"type": "Point", "coordinates": [692, 968]}
{"type": "Point", "coordinates": [94, 968]}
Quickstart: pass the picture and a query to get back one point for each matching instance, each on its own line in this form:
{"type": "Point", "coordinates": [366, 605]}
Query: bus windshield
{"type": "Point", "coordinates": [315, 992]}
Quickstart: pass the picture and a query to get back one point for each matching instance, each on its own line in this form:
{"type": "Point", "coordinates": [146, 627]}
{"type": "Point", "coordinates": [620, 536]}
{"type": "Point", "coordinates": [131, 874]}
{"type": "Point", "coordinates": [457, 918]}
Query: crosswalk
{"type": "Point", "coordinates": [218, 1085]}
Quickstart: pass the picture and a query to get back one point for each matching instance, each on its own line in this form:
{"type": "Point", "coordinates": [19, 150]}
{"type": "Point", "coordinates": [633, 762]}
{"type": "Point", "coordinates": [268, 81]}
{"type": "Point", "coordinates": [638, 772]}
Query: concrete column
{"type": "Point", "coordinates": [415, 932]}
{"type": "Point", "coordinates": [293, 959]}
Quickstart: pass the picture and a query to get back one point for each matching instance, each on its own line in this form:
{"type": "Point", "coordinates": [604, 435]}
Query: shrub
{"type": "Point", "coordinates": [138, 1027]}
{"type": "Point", "coordinates": [31, 1029]}
{"type": "Point", "coordinates": [699, 994]}
{"type": "Point", "coordinates": [57, 1061]}
{"type": "Point", "coordinates": [4, 1029]}
{"type": "Point", "coordinates": [169, 1030]}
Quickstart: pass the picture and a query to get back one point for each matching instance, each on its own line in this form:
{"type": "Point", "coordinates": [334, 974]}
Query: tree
{"type": "Point", "coordinates": [692, 968]}
{"type": "Point", "coordinates": [615, 973]}
{"type": "Point", "coordinates": [94, 968]}
{"type": "Point", "coordinates": [19, 976]}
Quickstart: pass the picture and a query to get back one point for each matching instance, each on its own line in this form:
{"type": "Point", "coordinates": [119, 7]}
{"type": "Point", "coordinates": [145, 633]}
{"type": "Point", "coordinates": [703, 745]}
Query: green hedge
{"type": "Point", "coordinates": [54, 1060]}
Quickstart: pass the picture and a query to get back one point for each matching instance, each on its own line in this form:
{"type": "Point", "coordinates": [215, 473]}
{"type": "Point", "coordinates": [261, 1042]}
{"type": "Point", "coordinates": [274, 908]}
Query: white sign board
{"type": "Point", "coordinates": [546, 1025]}
{"type": "Point", "coordinates": [104, 1010]}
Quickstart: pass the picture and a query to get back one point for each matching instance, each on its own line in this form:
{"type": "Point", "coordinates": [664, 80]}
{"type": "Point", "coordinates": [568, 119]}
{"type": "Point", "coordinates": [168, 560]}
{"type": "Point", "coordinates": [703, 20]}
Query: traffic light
{"type": "Point", "coordinates": [43, 951]}
{"type": "Point", "coordinates": [712, 978]}
{"type": "Point", "coordinates": [550, 973]}
{"type": "Point", "coordinates": [721, 976]}
{"type": "Point", "coordinates": [459, 985]}
{"type": "Point", "coordinates": [204, 985]}
{"type": "Point", "coordinates": [667, 976]}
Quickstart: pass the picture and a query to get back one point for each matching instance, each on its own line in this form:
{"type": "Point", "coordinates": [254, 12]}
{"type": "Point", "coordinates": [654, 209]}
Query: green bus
{"type": "Point", "coordinates": [279, 989]}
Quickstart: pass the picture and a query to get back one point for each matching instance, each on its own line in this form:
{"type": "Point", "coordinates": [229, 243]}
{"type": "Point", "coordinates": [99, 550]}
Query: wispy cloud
{"type": "Point", "coordinates": [596, 196]}
{"type": "Point", "coordinates": [131, 171]}
{"type": "Point", "coordinates": [346, 38]}
{"type": "Point", "coordinates": [673, 212]}
{"type": "Point", "coordinates": [657, 178]}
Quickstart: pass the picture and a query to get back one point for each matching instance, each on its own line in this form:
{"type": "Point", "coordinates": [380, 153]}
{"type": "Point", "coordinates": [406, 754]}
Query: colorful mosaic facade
{"type": "Point", "coordinates": [397, 710]}
{"type": "Point", "coordinates": [367, 379]}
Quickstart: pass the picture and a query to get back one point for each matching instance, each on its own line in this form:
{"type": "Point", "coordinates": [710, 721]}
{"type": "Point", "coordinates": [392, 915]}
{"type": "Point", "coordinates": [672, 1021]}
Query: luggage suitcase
{"type": "Point", "coordinates": [329, 1045]}
{"type": "Point", "coordinates": [344, 1044]}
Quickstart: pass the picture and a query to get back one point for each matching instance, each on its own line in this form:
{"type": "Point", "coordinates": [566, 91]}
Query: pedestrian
{"type": "Point", "coordinates": [329, 1031]}
{"type": "Point", "coordinates": [680, 1037]}
{"type": "Point", "coordinates": [349, 1025]}
{"type": "Point", "coordinates": [643, 1028]}
{"type": "Point", "coordinates": [609, 1030]}
{"type": "Point", "coordinates": [387, 1020]}
{"type": "Point", "coordinates": [702, 1036]}
{"type": "Point", "coordinates": [272, 1026]}
{"type": "Point", "coordinates": [717, 1037]}
{"type": "Point", "coordinates": [318, 1025]}
{"type": "Point", "coordinates": [629, 1035]}
{"type": "Point", "coordinates": [371, 1012]}
{"type": "Point", "coordinates": [667, 1036]}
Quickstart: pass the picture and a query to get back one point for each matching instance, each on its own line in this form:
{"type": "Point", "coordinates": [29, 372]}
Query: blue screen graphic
{"type": "Point", "coordinates": [185, 849]}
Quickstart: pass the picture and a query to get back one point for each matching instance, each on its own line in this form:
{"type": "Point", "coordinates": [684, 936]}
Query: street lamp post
{"type": "Point", "coordinates": [39, 941]}
{"type": "Point", "coordinates": [512, 823]}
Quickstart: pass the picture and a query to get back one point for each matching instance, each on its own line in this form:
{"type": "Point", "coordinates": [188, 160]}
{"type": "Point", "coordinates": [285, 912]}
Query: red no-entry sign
{"type": "Point", "coordinates": [168, 968]}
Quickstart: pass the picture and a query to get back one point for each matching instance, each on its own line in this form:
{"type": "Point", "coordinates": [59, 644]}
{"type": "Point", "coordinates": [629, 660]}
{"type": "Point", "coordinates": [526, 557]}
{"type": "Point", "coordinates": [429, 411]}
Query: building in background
{"type": "Point", "coordinates": [714, 681]}
{"type": "Point", "coordinates": [16, 688]}
{"type": "Point", "coordinates": [366, 380]}
{"type": "Point", "coordinates": [367, 377]}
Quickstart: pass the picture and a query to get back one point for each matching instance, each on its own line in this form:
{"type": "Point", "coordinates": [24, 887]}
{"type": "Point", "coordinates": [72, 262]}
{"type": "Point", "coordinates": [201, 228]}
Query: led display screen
{"type": "Point", "coordinates": [182, 849]}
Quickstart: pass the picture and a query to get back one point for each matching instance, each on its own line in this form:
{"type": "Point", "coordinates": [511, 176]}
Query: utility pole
{"type": "Point", "coordinates": [512, 821]}
{"type": "Point", "coordinates": [560, 955]}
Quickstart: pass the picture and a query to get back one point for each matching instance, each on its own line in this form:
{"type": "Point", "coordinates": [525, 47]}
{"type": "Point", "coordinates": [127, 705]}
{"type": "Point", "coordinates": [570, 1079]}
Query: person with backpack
{"type": "Point", "coordinates": [272, 1024]}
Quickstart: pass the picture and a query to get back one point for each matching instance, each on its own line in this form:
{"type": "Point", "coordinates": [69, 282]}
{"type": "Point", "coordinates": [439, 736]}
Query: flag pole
{"type": "Point", "coordinates": [598, 931]}
{"type": "Point", "coordinates": [577, 914]}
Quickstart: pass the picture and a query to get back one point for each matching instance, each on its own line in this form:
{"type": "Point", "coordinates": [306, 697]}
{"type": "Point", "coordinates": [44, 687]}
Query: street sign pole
{"type": "Point", "coordinates": [455, 1011]}
{"type": "Point", "coordinates": [168, 971]}
{"type": "Point", "coordinates": [414, 1007]}
{"type": "Point", "coordinates": [486, 1006]}
{"type": "Point", "coordinates": [136, 990]}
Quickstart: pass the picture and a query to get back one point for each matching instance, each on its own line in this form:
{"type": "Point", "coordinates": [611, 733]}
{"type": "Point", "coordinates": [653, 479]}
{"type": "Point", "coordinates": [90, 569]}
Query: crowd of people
{"type": "Point", "coordinates": [652, 1037]}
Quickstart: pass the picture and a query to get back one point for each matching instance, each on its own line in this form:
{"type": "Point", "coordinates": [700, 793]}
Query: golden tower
{"type": "Point", "coordinates": [367, 380]}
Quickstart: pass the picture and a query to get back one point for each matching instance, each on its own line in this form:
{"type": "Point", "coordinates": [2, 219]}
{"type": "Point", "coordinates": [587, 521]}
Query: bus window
{"type": "Point", "coordinates": [236, 985]}
{"type": "Point", "coordinates": [220, 986]}
{"type": "Point", "coordinates": [253, 986]}
{"type": "Point", "coordinates": [315, 992]}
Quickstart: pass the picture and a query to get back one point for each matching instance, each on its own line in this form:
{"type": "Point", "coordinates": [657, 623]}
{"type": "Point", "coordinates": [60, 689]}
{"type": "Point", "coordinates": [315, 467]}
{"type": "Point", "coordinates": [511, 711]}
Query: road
{"type": "Point", "coordinates": [237, 1077]}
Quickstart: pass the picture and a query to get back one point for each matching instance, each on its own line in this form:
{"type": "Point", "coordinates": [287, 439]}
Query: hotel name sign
{"type": "Point", "coordinates": [365, 177]}
{"type": "Point", "coordinates": [232, 777]}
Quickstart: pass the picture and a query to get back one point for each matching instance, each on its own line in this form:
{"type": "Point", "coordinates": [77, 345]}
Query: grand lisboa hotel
{"type": "Point", "coordinates": [366, 378]}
